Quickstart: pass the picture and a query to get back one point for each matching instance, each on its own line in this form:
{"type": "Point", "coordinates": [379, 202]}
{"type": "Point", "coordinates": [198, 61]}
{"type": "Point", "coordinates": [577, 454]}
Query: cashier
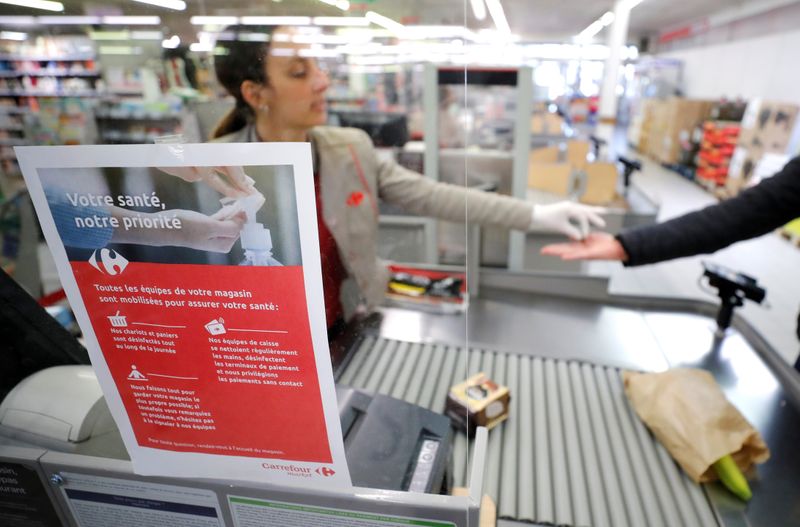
{"type": "Point", "coordinates": [279, 91]}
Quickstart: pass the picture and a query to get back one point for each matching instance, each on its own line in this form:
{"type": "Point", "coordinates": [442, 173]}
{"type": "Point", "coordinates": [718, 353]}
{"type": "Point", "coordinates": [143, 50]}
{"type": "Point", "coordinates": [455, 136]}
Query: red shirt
{"type": "Point", "coordinates": [333, 271]}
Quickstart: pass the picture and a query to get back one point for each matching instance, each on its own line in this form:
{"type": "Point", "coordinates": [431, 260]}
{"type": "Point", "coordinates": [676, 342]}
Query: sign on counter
{"type": "Point", "coordinates": [194, 273]}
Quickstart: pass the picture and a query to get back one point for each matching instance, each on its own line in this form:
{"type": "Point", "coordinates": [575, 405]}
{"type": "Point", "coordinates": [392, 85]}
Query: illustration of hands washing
{"type": "Point", "coordinates": [242, 201]}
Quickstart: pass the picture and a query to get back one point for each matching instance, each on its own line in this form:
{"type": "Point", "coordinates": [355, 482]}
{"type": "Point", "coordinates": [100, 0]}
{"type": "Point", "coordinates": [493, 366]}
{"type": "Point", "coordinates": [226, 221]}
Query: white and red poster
{"type": "Point", "coordinates": [194, 273]}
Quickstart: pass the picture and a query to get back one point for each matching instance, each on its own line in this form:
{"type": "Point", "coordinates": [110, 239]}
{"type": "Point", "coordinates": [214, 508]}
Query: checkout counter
{"type": "Point", "coordinates": [571, 453]}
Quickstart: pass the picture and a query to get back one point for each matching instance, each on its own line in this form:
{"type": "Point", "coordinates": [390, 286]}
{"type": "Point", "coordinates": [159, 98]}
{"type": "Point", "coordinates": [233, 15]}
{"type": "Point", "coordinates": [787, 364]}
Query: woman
{"type": "Point", "coordinates": [280, 96]}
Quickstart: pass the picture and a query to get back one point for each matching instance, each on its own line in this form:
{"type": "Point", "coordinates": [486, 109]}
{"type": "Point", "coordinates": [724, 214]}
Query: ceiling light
{"type": "Point", "coordinates": [498, 15]}
{"type": "Point", "coordinates": [131, 20]}
{"type": "Point", "coordinates": [214, 20]}
{"type": "Point", "coordinates": [344, 5]}
{"type": "Point", "coordinates": [607, 19]}
{"type": "Point", "coordinates": [17, 20]}
{"type": "Point", "coordinates": [69, 20]}
{"type": "Point", "coordinates": [344, 21]}
{"type": "Point", "coordinates": [276, 20]}
{"type": "Point", "coordinates": [36, 4]}
{"type": "Point", "coordinates": [171, 43]}
{"type": "Point", "coordinates": [380, 20]}
{"type": "Point", "coordinates": [13, 35]}
{"type": "Point", "coordinates": [478, 9]}
{"type": "Point", "coordinates": [177, 5]}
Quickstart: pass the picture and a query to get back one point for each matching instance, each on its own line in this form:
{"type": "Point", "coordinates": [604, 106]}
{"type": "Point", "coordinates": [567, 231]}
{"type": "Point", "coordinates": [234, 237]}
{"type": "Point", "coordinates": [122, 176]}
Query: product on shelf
{"type": "Point", "coordinates": [716, 150]}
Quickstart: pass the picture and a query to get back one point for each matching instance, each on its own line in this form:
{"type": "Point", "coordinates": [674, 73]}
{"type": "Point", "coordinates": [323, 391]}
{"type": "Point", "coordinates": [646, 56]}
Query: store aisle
{"type": "Point", "coordinates": [771, 259]}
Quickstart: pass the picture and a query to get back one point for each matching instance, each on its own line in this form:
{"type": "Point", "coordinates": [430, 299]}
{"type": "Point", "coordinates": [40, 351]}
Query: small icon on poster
{"type": "Point", "coordinates": [111, 262]}
{"type": "Point", "coordinates": [136, 375]}
{"type": "Point", "coordinates": [216, 327]}
{"type": "Point", "coordinates": [118, 321]}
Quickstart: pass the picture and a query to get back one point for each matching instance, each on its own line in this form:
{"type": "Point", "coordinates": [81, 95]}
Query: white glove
{"type": "Point", "coordinates": [572, 219]}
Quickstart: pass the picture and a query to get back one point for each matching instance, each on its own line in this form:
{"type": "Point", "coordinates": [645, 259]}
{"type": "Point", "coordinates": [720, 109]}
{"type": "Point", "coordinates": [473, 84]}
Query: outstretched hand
{"type": "Point", "coordinates": [596, 246]}
{"type": "Point", "coordinates": [572, 219]}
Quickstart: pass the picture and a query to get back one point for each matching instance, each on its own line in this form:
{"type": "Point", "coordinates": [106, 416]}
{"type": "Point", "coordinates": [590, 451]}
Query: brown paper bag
{"type": "Point", "coordinates": [690, 416]}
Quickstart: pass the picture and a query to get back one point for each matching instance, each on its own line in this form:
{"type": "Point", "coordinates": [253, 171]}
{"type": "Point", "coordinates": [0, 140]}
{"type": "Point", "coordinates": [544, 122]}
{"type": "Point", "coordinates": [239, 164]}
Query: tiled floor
{"type": "Point", "coordinates": [771, 259]}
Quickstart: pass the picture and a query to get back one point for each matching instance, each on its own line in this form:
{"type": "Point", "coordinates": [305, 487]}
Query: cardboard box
{"type": "Point", "coordinates": [673, 119]}
{"type": "Point", "coordinates": [578, 153]}
{"type": "Point", "coordinates": [547, 154]}
{"type": "Point", "coordinates": [555, 178]}
{"type": "Point", "coordinates": [601, 184]}
{"type": "Point", "coordinates": [477, 401]}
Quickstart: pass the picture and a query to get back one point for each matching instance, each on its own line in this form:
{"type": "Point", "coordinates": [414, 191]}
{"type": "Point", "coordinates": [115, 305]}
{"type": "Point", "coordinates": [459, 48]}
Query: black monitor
{"type": "Point", "coordinates": [385, 128]}
{"type": "Point", "coordinates": [30, 339]}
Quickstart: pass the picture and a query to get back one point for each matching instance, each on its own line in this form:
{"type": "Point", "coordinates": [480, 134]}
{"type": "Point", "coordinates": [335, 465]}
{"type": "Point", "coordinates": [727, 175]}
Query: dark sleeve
{"type": "Point", "coordinates": [756, 211]}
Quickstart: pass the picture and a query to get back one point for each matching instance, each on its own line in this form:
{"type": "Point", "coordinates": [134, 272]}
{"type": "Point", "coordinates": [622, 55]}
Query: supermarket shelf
{"type": "Point", "coordinates": [140, 117]}
{"type": "Point", "coordinates": [14, 110]}
{"type": "Point", "coordinates": [13, 142]}
{"type": "Point", "coordinates": [42, 58]}
{"type": "Point", "coordinates": [12, 127]}
{"type": "Point", "coordinates": [33, 93]}
{"type": "Point", "coordinates": [46, 73]}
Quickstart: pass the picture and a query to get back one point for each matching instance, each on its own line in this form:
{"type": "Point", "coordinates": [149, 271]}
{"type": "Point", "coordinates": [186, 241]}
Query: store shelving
{"type": "Point", "coordinates": [135, 122]}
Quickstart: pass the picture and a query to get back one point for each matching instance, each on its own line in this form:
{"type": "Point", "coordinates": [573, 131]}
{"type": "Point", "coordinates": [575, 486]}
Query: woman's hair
{"type": "Point", "coordinates": [241, 58]}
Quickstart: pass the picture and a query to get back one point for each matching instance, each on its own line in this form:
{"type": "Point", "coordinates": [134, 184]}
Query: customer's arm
{"type": "Point", "coordinates": [756, 211]}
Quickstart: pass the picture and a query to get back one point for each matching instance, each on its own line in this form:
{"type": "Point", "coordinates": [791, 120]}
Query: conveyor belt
{"type": "Point", "coordinates": [572, 452]}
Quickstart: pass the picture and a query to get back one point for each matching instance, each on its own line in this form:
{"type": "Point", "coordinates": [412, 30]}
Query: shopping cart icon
{"type": "Point", "coordinates": [118, 321]}
{"type": "Point", "coordinates": [216, 327]}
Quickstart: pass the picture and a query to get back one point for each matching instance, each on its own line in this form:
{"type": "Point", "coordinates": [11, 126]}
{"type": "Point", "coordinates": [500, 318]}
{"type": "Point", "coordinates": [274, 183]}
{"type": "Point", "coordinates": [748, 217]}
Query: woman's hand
{"type": "Point", "coordinates": [596, 246]}
{"type": "Point", "coordinates": [228, 181]}
{"type": "Point", "coordinates": [571, 219]}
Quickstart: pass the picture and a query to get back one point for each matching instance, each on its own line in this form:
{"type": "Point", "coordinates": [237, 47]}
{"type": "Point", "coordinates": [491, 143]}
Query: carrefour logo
{"type": "Point", "coordinates": [325, 471]}
{"type": "Point", "coordinates": [109, 262]}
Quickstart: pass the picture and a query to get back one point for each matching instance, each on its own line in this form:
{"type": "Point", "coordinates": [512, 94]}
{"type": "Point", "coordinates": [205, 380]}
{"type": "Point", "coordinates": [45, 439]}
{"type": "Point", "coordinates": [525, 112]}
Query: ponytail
{"type": "Point", "coordinates": [242, 58]}
{"type": "Point", "coordinates": [233, 121]}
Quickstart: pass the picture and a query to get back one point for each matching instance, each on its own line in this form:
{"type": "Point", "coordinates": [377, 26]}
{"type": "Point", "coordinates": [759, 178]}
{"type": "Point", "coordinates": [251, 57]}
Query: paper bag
{"type": "Point", "coordinates": [688, 413]}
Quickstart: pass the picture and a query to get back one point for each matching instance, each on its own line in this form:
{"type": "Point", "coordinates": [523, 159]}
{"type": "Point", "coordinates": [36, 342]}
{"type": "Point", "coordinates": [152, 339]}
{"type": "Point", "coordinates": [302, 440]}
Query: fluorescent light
{"type": "Point", "coordinates": [131, 20]}
{"type": "Point", "coordinates": [380, 20]}
{"type": "Point", "coordinates": [478, 9]}
{"type": "Point", "coordinates": [596, 27]}
{"type": "Point", "coordinates": [171, 43]}
{"type": "Point", "coordinates": [590, 32]}
{"type": "Point", "coordinates": [498, 15]}
{"type": "Point", "coordinates": [344, 5]}
{"type": "Point", "coordinates": [17, 20]}
{"type": "Point", "coordinates": [344, 21]}
{"type": "Point", "coordinates": [276, 20]}
{"type": "Point", "coordinates": [13, 35]}
{"type": "Point", "coordinates": [177, 5]}
{"type": "Point", "coordinates": [318, 53]}
{"type": "Point", "coordinates": [425, 32]}
{"type": "Point", "coordinates": [147, 35]}
{"type": "Point", "coordinates": [214, 20]}
{"type": "Point", "coordinates": [68, 20]}
{"type": "Point", "coordinates": [607, 19]}
{"type": "Point", "coordinates": [36, 4]}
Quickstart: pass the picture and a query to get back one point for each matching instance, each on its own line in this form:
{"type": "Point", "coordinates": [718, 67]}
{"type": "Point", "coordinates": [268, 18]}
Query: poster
{"type": "Point", "coordinates": [194, 273]}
